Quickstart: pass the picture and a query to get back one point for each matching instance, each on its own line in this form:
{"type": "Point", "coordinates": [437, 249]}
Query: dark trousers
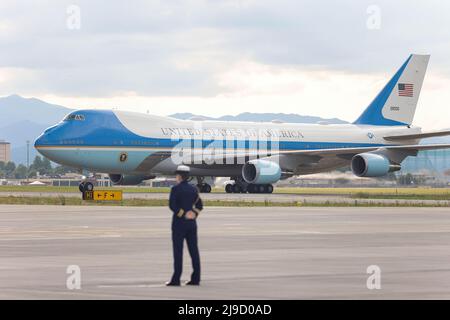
{"type": "Point", "coordinates": [185, 230]}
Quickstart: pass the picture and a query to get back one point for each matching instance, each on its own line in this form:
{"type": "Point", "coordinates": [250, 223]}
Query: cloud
{"type": "Point", "coordinates": [201, 50]}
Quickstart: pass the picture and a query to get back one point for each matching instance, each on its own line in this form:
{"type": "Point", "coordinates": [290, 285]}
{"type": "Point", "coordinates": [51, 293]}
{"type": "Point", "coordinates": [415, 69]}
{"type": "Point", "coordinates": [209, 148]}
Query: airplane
{"type": "Point", "coordinates": [133, 147]}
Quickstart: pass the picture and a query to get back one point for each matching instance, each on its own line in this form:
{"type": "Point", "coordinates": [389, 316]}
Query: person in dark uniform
{"type": "Point", "coordinates": [185, 204]}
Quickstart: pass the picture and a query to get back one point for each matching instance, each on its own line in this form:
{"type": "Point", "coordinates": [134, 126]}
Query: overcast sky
{"type": "Point", "coordinates": [324, 58]}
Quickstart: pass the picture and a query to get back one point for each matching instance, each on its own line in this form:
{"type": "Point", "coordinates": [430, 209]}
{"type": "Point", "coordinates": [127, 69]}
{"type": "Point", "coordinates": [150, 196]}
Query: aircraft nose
{"type": "Point", "coordinates": [39, 141]}
{"type": "Point", "coordinates": [45, 137]}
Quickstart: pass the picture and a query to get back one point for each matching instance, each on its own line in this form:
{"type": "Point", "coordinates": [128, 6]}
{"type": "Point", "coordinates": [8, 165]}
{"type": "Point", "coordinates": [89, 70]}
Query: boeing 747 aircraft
{"type": "Point", "coordinates": [133, 147]}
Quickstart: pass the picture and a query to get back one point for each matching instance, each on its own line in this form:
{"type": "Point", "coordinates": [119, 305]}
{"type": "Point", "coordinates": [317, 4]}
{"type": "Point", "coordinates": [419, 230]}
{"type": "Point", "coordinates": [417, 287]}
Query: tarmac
{"type": "Point", "coordinates": [247, 253]}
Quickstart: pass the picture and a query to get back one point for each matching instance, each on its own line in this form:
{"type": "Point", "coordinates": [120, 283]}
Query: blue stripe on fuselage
{"type": "Point", "coordinates": [161, 144]}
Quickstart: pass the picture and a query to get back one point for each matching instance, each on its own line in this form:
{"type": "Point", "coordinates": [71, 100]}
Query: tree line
{"type": "Point", "coordinates": [40, 165]}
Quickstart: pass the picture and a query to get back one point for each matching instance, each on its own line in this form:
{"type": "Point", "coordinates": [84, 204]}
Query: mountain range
{"type": "Point", "coordinates": [261, 117]}
{"type": "Point", "coordinates": [24, 119]}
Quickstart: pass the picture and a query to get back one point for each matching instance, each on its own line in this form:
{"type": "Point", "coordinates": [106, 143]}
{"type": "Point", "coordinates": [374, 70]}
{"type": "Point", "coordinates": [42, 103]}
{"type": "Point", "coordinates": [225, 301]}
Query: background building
{"type": "Point", "coordinates": [5, 151]}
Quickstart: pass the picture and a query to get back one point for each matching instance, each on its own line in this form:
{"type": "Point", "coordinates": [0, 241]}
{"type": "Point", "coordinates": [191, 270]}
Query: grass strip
{"type": "Point", "coordinates": [75, 201]}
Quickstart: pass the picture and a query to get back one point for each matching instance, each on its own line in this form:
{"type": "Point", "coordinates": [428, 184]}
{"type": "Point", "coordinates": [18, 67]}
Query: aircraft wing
{"type": "Point", "coordinates": [296, 159]}
{"type": "Point", "coordinates": [338, 151]}
{"type": "Point", "coordinates": [293, 157]}
{"type": "Point", "coordinates": [317, 154]}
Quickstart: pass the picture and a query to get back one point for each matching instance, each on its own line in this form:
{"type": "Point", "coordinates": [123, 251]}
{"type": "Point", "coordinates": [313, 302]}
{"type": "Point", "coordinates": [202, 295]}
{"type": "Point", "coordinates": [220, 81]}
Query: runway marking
{"type": "Point", "coordinates": [56, 238]}
{"type": "Point", "coordinates": [132, 286]}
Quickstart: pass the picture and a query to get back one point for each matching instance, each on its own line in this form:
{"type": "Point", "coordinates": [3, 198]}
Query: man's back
{"type": "Point", "coordinates": [184, 196]}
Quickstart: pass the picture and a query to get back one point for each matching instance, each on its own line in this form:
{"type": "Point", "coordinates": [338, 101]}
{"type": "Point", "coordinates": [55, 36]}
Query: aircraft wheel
{"type": "Point", "coordinates": [236, 188]}
{"type": "Point", "coordinates": [88, 186]}
{"type": "Point", "coordinates": [206, 188]}
{"type": "Point", "coordinates": [81, 186]}
{"type": "Point", "coordinates": [229, 188]}
{"type": "Point", "coordinates": [269, 188]}
{"type": "Point", "coordinates": [261, 188]}
{"type": "Point", "coordinates": [251, 188]}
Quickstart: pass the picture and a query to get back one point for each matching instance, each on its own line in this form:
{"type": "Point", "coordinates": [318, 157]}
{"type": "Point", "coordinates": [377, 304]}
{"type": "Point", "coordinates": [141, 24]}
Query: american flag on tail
{"type": "Point", "coordinates": [405, 89]}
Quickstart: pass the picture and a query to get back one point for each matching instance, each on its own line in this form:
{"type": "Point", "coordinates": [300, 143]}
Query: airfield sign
{"type": "Point", "coordinates": [103, 195]}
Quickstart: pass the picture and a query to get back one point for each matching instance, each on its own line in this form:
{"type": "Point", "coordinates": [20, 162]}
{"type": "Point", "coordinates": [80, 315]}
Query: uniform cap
{"type": "Point", "coordinates": [183, 169]}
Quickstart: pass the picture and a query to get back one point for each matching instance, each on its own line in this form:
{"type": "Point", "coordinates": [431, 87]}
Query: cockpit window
{"type": "Point", "coordinates": [74, 116]}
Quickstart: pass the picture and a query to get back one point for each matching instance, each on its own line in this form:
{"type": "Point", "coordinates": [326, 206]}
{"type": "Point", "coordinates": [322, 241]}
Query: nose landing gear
{"type": "Point", "coordinates": [86, 186]}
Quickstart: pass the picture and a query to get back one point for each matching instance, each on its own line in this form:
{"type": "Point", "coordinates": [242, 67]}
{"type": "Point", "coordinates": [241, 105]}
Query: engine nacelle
{"type": "Point", "coordinates": [127, 180]}
{"type": "Point", "coordinates": [261, 172]}
{"type": "Point", "coordinates": [372, 165]}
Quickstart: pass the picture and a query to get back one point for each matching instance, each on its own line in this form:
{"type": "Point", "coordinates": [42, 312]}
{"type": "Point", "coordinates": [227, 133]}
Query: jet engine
{"type": "Point", "coordinates": [372, 165]}
{"type": "Point", "coordinates": [127, 180]}
{"type": "Point", "coordinates": [261, 172]}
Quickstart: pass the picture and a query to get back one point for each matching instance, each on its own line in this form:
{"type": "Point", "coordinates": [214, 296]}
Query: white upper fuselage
{"type": "Point", "coordinates": [151, 126]}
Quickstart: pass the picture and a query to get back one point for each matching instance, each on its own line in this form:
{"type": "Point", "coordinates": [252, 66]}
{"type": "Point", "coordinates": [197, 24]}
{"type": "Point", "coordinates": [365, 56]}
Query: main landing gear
{"type": "Point", "coordinates": [202, 186]}
{"type": "Point", "coordinates": [240, 186]}
{"type": "Point", "coordinates": [260, 188]}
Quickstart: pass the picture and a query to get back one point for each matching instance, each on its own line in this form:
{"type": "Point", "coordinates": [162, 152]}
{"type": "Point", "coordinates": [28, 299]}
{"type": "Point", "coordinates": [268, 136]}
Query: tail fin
{"type": "Point", "coordinates": [396, 104]}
